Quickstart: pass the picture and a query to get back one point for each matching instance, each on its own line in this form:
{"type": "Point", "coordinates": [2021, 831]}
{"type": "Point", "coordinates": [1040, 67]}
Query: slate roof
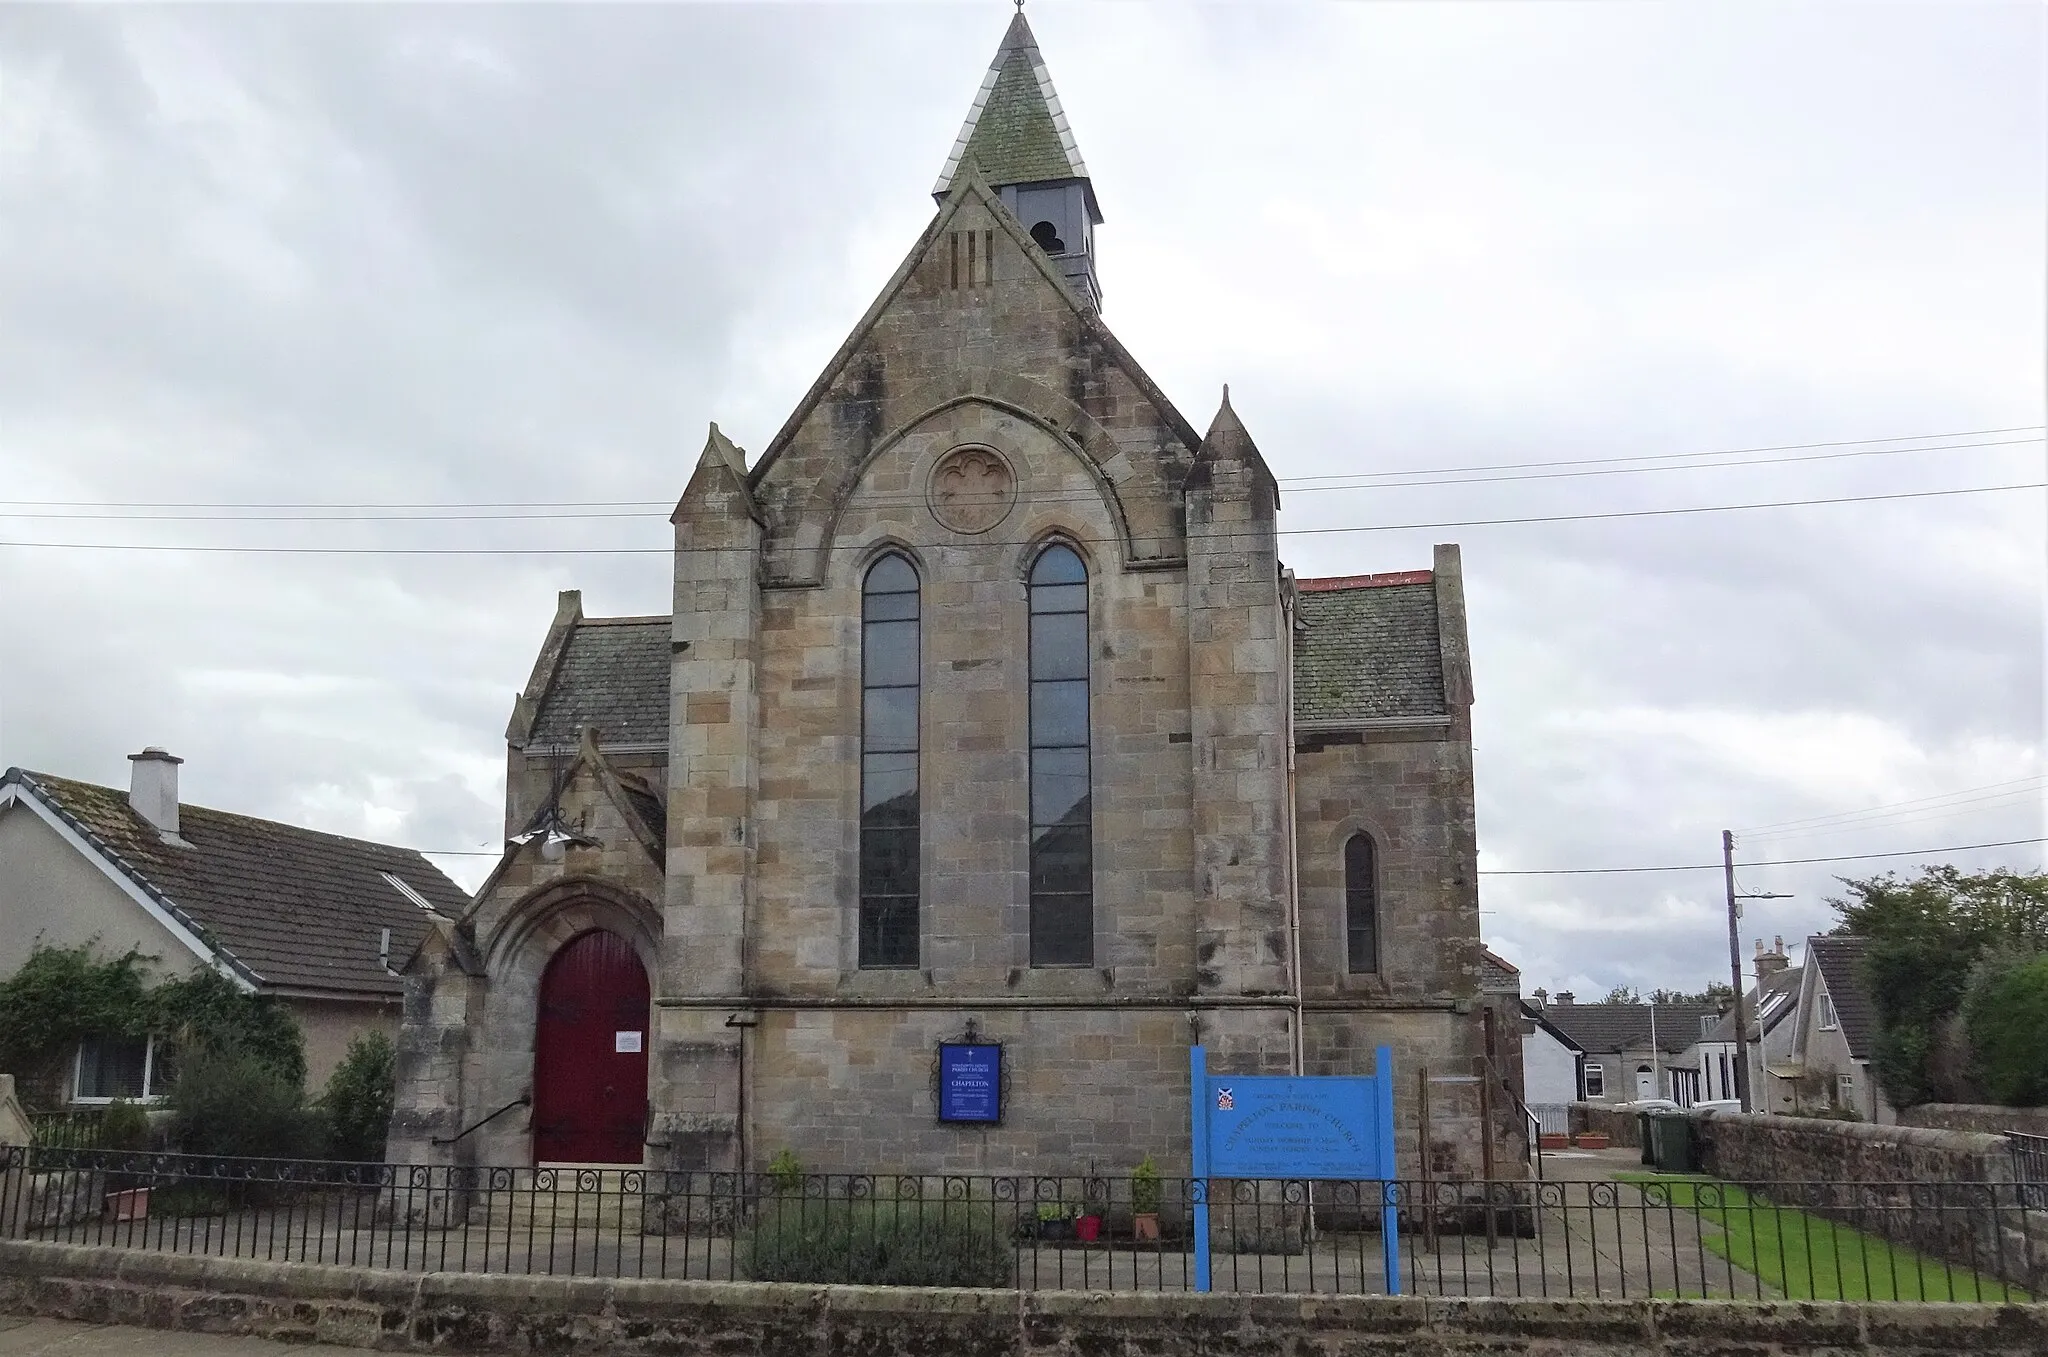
{"type": "Point", "coordinates": [287, 907]}
{"type": "Point", "coordinates": [1840, 960]}
{"type": "Point", "coordinates": [1016, 131]}
{"type": "Point", "coordinates": [1498, 975]}
{"type": "Point", "coordinates": [1784, 983]}
{"type": "Point", "coordinates": [1603, 1028]}
{"type": "Point", "coordinates": [1368, 647]}
{"type": "Point", "coordinates": [613, 674]}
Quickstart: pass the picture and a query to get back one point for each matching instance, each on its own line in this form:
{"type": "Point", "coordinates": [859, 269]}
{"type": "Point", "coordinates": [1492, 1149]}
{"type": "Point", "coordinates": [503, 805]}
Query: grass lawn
{"type": "Point", "coordinates": [1808, 1257]}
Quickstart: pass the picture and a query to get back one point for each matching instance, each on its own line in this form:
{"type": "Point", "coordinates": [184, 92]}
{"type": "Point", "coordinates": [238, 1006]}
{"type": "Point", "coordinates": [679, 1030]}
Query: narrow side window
{"type": "Point", "coordinates": [1062, 830]}
{"type": "Point", "coordinates": [889, 817]}
{"type": "Point", "coordinates": [1361, 906]}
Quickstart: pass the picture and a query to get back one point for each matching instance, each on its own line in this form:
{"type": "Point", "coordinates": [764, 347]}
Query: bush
{"type": "Point", "coordinates": [231, 1102]}
{"type": "Point", "coordinates": [885, 1243]}
{"type": "Point", "coordinates": [124, 1126]}
{"type": "Point", "coordinates": [357, 1103]}
{"type": "Point", "coordinates": [2007, 1014]}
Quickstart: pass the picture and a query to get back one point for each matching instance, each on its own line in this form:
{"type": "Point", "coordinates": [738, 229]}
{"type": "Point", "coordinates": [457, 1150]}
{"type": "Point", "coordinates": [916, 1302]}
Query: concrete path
{"type": "Point", "coordinates": [62, 1338]}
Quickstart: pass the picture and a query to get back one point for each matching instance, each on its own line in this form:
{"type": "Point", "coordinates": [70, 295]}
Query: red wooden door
{"type": "Point", "coordinates": [590, 1054]}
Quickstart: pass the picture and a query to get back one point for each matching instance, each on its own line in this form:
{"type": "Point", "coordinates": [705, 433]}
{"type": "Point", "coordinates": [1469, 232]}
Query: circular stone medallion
{"type": "Point", "coordinates": [971, 490]}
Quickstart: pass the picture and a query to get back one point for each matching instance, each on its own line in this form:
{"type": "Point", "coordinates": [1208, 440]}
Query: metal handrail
{"type": "Point", "coordinates": [523, 1100]}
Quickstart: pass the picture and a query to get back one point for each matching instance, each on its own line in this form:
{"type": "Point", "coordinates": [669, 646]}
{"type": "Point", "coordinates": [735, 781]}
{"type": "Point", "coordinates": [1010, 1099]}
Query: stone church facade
{"type": "Point", "coordinates": [986, 709]}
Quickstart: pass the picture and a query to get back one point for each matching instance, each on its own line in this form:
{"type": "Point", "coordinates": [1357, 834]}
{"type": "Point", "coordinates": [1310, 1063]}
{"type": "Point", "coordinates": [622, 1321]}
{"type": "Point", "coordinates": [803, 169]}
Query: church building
{"type": "Point", "coordinates": [989, 757]}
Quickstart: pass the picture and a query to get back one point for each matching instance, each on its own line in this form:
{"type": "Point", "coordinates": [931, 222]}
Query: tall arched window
{"type": "Point", "coordinates": [888, 765]}
{"type": "Point", "coordinates": [1361, 906]}
{"type": "Point", "coordinates": [1062, 836]}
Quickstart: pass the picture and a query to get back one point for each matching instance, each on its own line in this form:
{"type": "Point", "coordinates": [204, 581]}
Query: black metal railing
{"type": "Point", "coordinates": [1643, 1235]}
{"type": "Point", "coordinates": [72, 1129]}
{"type": "Point", "coordinates": [2029, 1158]}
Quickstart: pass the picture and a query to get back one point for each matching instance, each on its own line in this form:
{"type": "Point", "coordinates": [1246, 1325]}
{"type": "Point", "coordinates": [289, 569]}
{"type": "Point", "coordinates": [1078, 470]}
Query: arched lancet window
{"type": "Point", "coordinates": [888, 765]}
{"type": "Point", "coordinates": [1062, 834]}
{"type": "Point", "coordinates": [1361, 906]}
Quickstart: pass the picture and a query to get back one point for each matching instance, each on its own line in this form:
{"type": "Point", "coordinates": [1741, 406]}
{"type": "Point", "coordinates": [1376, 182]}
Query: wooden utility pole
{"type": "Point", "coordinates": [1735, 969]}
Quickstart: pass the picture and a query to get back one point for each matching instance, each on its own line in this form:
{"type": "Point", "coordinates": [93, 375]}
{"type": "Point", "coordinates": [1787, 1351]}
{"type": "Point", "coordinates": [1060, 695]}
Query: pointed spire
{"type": "Point", "coordinates": [1015, 129]}
{"type": "Point", "coordinates": [1228, 453]}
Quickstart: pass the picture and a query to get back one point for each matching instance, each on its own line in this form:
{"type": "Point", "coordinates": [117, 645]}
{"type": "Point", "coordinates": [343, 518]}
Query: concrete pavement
{"type": "Point", "coordinates": [62, 1338]}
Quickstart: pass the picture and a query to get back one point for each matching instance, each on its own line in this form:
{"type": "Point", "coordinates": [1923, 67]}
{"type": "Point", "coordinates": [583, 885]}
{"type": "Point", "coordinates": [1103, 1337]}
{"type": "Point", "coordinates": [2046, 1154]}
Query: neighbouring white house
{"type": "Point", "coordinates": [1550, 1061]}
{"type": "Point", "coordinates": [318, 920]}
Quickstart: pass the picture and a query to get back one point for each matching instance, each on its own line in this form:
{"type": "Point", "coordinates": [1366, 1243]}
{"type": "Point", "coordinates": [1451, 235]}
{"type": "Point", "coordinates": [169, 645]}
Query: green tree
{"type": "Point", "coordinates": [231, 1101]}
{"type": "Point", "coordinates": [357, 1102]}
{"type": "Point", "coordinates": [1715, 995]}
{"type": "Point", "coordinates": [2006, 1014]}
{"type": "Point", "coordinates": [1622, 994]}
{"type": "Point", "coordinates": [1922, 937]}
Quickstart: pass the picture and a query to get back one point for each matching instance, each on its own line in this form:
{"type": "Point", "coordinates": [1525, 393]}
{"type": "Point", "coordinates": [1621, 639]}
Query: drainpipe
{"type": "Point", "coordinates": [1287, 604]}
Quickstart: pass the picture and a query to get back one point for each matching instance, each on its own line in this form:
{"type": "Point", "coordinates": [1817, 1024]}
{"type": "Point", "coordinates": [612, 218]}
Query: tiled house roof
{"type": "Point", "coordinates": [1840, 961]}
{"type": "Point", "coordinates": [613, 675]}
{"type": "Point", "coordinates": [1601, 1029]}
{"type": "Point", "coordinates": [1368, 646]}
{"type": "Point", "coordinates": [285, 907]}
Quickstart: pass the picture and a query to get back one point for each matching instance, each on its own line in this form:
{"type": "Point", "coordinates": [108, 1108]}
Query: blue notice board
{"type": "Point", "coordinates": [970, 1081]}
{"type": "Point", "coordinates": [1295, 1126]}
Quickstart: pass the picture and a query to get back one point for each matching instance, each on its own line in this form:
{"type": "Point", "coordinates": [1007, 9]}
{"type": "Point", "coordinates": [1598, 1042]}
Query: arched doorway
{"type": "Point", "coordinates": [1646, 1082]}
{"type": "Point", "coordinates": [590, 1054]}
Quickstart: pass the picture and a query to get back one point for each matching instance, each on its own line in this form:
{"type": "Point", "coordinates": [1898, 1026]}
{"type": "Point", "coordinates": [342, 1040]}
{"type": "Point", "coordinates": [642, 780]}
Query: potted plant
{"type": "Point", "coordinates": [1055, 1221]}
{"type": "Point", "coordinates": [1145, 1200]}
{"type": "Point", "coordinates": [1087, 1228]}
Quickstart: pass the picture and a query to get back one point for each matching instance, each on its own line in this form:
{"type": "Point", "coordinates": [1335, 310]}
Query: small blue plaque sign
{"type": "Point", "coordinates": [970, 1081]}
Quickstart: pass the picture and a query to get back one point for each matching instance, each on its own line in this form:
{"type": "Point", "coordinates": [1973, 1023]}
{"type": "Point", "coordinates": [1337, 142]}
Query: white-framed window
{"type": "Point", "coordinates": [1707, 1021]}
{"type": "Point", "coordinates": [1596, 1079]}
{"type": "Point", "coordinates": [1845, 1090]}
{"type": "Point", "coordinates": [1828, 1022]}
{"type": "Point", "coordinates": [107, 1069]}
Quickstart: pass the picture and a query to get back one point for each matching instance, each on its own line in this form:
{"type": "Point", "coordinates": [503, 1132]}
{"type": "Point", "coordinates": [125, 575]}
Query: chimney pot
{"type": "Point", "coordinates": [153, 788]}
{"type": "Point", "coordinates": [1542, 997]}
{"type": "Point", "coordinates": [1564, 996]}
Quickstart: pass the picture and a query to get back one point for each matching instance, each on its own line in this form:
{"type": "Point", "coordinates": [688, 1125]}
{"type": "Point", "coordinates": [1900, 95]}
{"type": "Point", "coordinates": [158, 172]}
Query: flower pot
{"type": "Point", "coordinates": [1088, 1228]}
{"type": "Point", "coordinates": [132, 1204]}
{"type": "Point", "coordinates": [1591, 1140]}
{"type": "Point", "coordinates": [1058, 1227]}
{"type": "Point", "coordinates": [1145, 1225]}
{"type": "Point", "coordinates": [1553, 1140]}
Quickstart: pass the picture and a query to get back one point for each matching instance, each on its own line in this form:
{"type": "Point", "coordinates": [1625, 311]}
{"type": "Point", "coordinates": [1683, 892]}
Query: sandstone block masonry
{"type": "Point", "coordinates": [1242, 734]}
{"type": "Point", "coordinates": [445, 1312]}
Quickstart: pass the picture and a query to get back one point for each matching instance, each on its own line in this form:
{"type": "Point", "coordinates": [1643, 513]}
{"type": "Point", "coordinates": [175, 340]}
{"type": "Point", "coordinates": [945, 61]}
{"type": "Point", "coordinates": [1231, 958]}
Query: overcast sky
{"type": "Point", "coordinates": [384, 255]}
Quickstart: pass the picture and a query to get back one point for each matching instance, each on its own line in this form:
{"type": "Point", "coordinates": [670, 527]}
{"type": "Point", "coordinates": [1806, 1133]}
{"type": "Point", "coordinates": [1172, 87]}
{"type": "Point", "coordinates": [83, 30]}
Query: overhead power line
{"type": "Point", "coordinates": [1540, 871]}
{"type": "Point", "coordinates": [2015, 787]}
{"type": "Point", "coordinates": [1767, 862]}
{"type": "Point", "coordinates": [216, 549]}
{"type": "Point", "coordinates": [480, 515]}
{"type": "Point", "coordinates": [1356, 479]}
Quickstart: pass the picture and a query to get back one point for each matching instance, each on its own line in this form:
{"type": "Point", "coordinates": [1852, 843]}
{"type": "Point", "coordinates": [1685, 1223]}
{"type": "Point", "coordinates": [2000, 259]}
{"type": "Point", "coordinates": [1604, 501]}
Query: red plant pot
{"type": "Point", "coordinates": [1088, 1228]}
{"type": "Point", "coordinates": [1554, 1140]}
{"type": "Point", "coordinates": [1592, 1140]}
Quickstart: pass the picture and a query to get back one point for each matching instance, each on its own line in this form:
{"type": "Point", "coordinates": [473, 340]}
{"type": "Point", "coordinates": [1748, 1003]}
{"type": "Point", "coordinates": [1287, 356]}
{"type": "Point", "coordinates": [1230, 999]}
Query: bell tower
{"type": "Point", "coordinates": [1018, 139]}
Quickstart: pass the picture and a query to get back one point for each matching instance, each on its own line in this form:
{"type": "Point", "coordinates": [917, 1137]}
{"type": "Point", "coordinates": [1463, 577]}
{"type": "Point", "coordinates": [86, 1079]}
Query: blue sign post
{"type": "Point", "coordinates": [1279, 1126]}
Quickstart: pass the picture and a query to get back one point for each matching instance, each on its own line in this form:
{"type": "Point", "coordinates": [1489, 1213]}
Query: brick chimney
{"type": "Point", "coordinates": [1771, 962]}
{"type": "Point", "coordinates": [1542, 997]}
{"type": "Point", "coordinates": [153, 788]}
{"type": "Point", "coordinates": [1564, 998]}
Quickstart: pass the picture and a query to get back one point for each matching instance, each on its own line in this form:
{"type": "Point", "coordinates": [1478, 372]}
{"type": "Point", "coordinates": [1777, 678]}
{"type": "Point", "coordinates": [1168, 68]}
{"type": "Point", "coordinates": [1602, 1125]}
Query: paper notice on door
{"type": "Point", "coordinates": [626, 1043]}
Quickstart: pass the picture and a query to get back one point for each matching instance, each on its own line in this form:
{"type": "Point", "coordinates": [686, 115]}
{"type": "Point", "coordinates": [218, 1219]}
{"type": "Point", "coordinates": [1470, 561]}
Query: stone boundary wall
{"type": "Point", "coordinates": [1998, 1235]}
{"type": "Point", "coordinates": [1982, 1117]}
{"type": "Point", "coordinates": [1619, 1125]}
{"type": "Point", "coordinates": [447, 1312]}
{"type": "Point", "coordinates": [1761, 1148]}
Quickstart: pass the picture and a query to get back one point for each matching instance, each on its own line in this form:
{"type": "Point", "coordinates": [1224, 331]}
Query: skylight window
{"type": "Point", "coordinates": [409, 893]}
